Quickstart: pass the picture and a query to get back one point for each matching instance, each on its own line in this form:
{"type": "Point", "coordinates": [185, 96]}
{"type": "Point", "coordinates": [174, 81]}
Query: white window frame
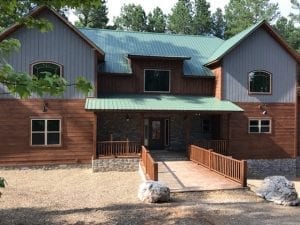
{"type": "Point", "coordinates": [157, 91]}
{"type": "Point", "coordinates": [48, 62]}
{"type": "Point", "coordinates": [260, 126]}
{"type": "Point", "coordinates": [45, 132]}
{"type": "Point", "coordinates": [260, 93]}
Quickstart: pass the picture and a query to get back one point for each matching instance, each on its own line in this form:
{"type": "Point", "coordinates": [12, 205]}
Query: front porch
{"type": "Point", "coordinates": [123, 133]}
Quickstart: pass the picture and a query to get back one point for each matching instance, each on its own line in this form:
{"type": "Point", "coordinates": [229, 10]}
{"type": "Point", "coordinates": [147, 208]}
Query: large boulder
{"type": "Point", "coordinates": [153, 192]}
{"type": "Point", "coordinates": [279, 190]}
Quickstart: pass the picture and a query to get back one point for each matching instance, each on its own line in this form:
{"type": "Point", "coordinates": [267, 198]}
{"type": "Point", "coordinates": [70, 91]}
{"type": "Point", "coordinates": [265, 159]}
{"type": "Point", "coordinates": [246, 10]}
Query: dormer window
{"type": "Point", "coordinates": [41, 69]}
{"type": "Point", "coordinates": [157, 81]}
{"type": "Point", "coordinates": [259, 82]}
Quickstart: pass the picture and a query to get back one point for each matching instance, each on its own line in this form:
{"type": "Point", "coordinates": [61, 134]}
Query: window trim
{"type": "Point", "coordinates": [157, 91]}
{"type": "Point", "coordinates": [46, 132]}
{"type": "Point", "coordinates": [61, 67]}
{"type": "Point", "coordinates": [259, 119]}
{"type": "Point", "coordinates": [260, 93]}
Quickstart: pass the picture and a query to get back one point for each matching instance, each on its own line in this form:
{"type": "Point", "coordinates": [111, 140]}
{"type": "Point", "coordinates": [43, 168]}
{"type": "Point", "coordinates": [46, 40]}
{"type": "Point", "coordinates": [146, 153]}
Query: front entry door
{"type": "Point", "coordinates": [156, 141]}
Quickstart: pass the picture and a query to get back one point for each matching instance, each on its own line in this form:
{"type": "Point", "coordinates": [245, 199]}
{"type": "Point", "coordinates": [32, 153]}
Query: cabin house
{"type": "Point", "coordinates": [163, 91]}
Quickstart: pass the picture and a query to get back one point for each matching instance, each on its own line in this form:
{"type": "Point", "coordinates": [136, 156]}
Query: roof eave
{"type": "Point", "coordinates": [35, 12]}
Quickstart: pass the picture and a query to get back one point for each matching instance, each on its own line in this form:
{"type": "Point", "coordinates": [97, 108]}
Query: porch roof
{"type": "Point", "coordinates": [160, 102]}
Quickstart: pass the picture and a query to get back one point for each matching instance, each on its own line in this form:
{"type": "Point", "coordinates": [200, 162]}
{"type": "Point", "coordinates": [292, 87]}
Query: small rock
{"type": "Point", "coordinates": [153, 192]}
{"type": "Point", "coordinates": [279, 190]}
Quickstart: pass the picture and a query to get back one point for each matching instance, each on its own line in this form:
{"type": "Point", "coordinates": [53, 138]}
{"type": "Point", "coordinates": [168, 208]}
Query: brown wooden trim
{"type": "Point", "coordinates": [297, 135]}
{"type": "Point", "coordinates": [95, 74]}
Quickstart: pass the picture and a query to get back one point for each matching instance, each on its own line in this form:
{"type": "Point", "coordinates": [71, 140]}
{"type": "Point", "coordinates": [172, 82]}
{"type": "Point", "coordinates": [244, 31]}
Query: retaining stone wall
{"type": "Point", "coordinates": [264, 167]}
{"type": "Point", "coordinates": [116, 164]}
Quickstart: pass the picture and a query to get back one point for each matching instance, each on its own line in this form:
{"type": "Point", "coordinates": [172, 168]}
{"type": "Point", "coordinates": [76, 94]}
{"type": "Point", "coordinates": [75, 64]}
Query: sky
{"type": "Point", "coordinates": [114, 6]}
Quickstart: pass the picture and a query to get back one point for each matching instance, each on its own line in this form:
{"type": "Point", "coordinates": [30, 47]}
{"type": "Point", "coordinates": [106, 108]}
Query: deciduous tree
{"type": "Point", "coordinates": [132, 18]}
{"type": "Point", "coordinates": [95, 17]}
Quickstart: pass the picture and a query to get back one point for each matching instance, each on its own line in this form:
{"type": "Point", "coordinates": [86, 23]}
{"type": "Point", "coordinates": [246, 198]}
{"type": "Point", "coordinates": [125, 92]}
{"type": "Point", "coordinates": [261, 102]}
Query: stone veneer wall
{"type": "Point", "coordinates": [271, 167]}
{"type": "Point", "coordinates": [177, 133]}
{"type": "Point", "coordinates": [115, 124]}
{"type": "Point", "coordinates": [116, 164]}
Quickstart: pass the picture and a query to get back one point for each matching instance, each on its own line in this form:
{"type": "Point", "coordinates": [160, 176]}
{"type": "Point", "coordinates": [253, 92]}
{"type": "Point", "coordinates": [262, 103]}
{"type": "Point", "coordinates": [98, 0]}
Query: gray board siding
{"type": "Point", "coordinates": [259, 52]}
{"type": "Point", "coordinates": [60, 45]}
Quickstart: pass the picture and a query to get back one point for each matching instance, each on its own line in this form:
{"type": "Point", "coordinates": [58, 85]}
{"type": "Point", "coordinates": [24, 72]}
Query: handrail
{"type": "Point", "coordinates": [219, 146]}
{"type": "Point", "coordinates": [229, 167]}
{"type": "Point", "coordinates": [118, 148]}
{"type": "Point", "coordinates": [150, 166]}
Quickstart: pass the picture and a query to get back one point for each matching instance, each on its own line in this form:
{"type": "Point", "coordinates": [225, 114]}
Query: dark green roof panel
{"type": "Point", "coordinates": [118, 44]}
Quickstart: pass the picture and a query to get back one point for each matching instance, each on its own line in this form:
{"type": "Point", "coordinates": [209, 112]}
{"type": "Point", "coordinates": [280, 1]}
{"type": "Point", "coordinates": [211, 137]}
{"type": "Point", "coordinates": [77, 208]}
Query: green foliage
{"type": "Point", "coordinates": [289, 32]}
{"type": "Point", "coordinates": [219, 24]}
{"type": "Point", "coordinates": [202, 20]}
{"type": "Point", "coordinates": [156, 21]}
{"type": "Point", "coordinates": [95, 17]}
{"type": "Point", "coordinates": [240, 14]}
{"type": "Point", "coordinates": [295, 16]}
{"type": "Point", "coordinates": [180, 19]}
{"type": "Point", "coordinates": [132, 18]}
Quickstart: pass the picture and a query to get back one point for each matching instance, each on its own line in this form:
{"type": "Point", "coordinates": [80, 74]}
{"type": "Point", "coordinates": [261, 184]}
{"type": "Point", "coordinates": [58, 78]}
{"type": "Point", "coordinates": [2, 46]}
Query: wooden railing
{"type": "Point", "coordinates": [118, 148]}
{"type": "Point", "coordinates": [227, 166]}
{"type": "Point", "coordinates": [150, 166]}
{"type": "Point", "coordinates": [219, 146]}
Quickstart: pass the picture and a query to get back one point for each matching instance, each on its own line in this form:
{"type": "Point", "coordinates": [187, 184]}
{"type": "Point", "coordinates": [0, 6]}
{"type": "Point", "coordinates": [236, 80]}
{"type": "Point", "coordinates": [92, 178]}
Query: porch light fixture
{"type": "Point", "coordinates": [45, 107]}
{"type": "Point", "coordinates": [263, 109]}
{"type": "Point", "coordinates": [127, 118]}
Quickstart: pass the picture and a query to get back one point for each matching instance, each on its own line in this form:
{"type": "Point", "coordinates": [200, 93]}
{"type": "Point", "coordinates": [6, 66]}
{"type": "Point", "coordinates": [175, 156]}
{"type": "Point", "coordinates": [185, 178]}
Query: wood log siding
{"type": "Point", "coordinates": [233, 169]}
{"type": "Point", "coordinates": [280, 143]}
{"type": "Point", "coordinates": [77, 132]}
{"type": "Point", "coordinates": [113, 83]}
{"type": "Point", "coordinates": [118, 148]}
{"type": "Point", "coordinates": [150, 166]}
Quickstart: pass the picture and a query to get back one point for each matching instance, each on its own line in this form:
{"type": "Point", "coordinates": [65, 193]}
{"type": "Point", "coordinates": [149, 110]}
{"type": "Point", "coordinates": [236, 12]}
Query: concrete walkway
{"type": "Point", "coordinates": [179, 174]}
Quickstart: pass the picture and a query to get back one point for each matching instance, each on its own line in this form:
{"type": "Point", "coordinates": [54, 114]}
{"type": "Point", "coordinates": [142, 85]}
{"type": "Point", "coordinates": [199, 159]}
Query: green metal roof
{"type": "Point", "coordinates": [117, 45]}
{"type": "Point", "coordinates": [229, 44]}
{"type": "Point", "coordinates": [160, 103]}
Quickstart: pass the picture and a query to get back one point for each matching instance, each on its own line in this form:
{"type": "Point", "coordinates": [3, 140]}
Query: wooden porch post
{"type": "Point", "coordinates": [95, 125]}
{"type": "Point", "coordinates": [142, 129]}
{"type": "Point", "coordinates": [187, 128]}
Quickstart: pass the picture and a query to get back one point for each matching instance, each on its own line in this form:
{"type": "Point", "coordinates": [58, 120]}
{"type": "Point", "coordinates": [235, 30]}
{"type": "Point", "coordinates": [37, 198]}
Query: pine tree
{"type": "Point", "coordinates": [132, 18]}
{"type": "Point", "coordinates": [180, 19]}
{"type": "Point", "coordinates": [240, 14]}
{"type": "Point", "coordinates": [296, 6]}
{"type": "Point", "coordinates": [289, 32]}
{"type": "Point", "coordinates": [202, 21]}
{"type": "Point", "coordinates": [156, 21]}
{"type": "Point", "coordinates": [219, 24]}
{"type": "Point", "coordinates": [95, 17]}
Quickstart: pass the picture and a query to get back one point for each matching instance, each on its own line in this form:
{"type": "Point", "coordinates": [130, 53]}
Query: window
{"type": "Point", "coordinates": [45, 132]}
{"type": "Point", "coordinates": [259, 82]}
{"type": "Point", "coordinates": [157, 81]}
{"type": "Point", "coordinates": [259, 126]}
{"type": "Point", "coordinates": [41, 69]}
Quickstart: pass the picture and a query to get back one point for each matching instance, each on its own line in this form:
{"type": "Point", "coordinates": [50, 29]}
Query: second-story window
{"type": "Point", "coordinates": [259, 82]}
{"type": "Point", "coordinates": [41, 69]}
{"type": "Point", "coordinates": [157, 81]}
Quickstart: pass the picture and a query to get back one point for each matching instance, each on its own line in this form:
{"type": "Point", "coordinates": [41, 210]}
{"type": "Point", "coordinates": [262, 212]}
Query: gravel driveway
{"type": "Point", "coordinates": [78, 196]}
